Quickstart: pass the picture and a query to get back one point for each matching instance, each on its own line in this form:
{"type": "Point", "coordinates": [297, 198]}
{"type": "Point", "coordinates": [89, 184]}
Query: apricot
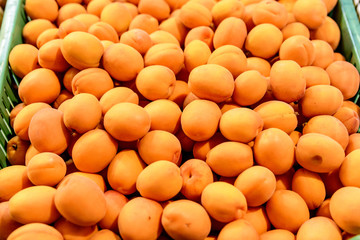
{"type": "Point", "coordinates": [310, 187]}
{"type": "Point", "coordinates": [15, 150]}
{"type": "Point", "coordinates": [23, 59]}
{"type": "Point", "coordinates": [159, 9]}
{"type": "Point", "coordinates": [344, 76]}
{"type": "Point", "coordinates": [238, 229]}
{"type": "Point", "coordinates": [320, 100]}
{"type": "Point", "coordinates": [257, 183]}
{"type": "Point", "coordinates": [155, 82]}
{"type": "Point", "coordinates": [114, 203]}
{"type": "Point", "coordinates": [159, 181]}
{"type": "Point", "coordinates": [127, 121]}
{"type": "Point", "coordinates": [34, 204]}
{"type": "Point", "coordinates": [159, 145]}
{"type": "Point", "coordinates": [228, 8]}
{"type": "Point", "coordinates": [250, 81]}
{"type": "Point", "coordinates": [231, 31]}
{"type": "Point", "coordinates": [81, 55]}
{"type": "Point", "coordinates": [212, 82]}
{"type": "Point", "coordinates": [47, 131]}
{"type": "Point", "coordinates": [138, 39]}
{"type": "Point", "coordinates": [70, 25]}
{"type": "Point", "coordinates": [256, 216]}
{"type": "Point", "coordinates": [294, 29]}
{"type": "Point", "coordinates": [94, 150]}
{"type": "Point", "coordinates": [35, 231]}
{"type": "Point", "coordinates": [14, 112]}
{"type": "Point", "coordinates": [247, 15]}
{"type": "Point", "coordinates": [104, 31]}
{"type": "Point", "coordinates": [97, 178]}
{"type": "Point", "coordinates": [185, 219]}
{"type": "Point", "coordinates": [241, 124]}
{"type": "Point", "coordinates": [123, 171]}
{"type": "Point", "coordinates": [161, 36]}
{"type": "Point", "coordinates": [325, 227]}
{"type": "Point", "coordinates": [260, 44]}
{"type": "Point", "coordinates": [281, 204]}
{"type": "Point", "coordinates": [269, 11]}
{"type": "Point", "coordinates": [324, 209]}
{"type": "Point", "coordinates": [144, 22]}
{"type": "Point", "coordinates": [348, 169]}
{"type": "Point", "coordinates": [310, 13]}
{"type": "Point", "coordinates": [87, 19]}
{"type": "Point", "coordinates": [96, 6]}
{"type": "Point", "coordinates": [299, 49]}
{"type": "Point", "coordinates": [13, 179]}
{"type": "Point", "coordinates": [201, 33]}
{"type": "Point", "coordinates": [40, 85]}
{"type": "Point", "coordinates": [133, 9]}
{"type": "Point", "coordinates": [258, 64]}
{"type": "Point", "coordinates": [23, 118]}
{"type": "Point", "coordinates": [72, 231]}
{"type": "Point", "coordinates": [319, 153]}
{"type": "Point", "coordinates": [354, 143]}
{"type": "Point", "coordinates": [329, 31]}
{"type": "Point", "coordinates": [286, 80]}
{"type": "Point", "coordinates": [166, 54]}
{"type": "Point", "coordinates": [349, 118]}
{"type": "Point", "coordinates": [204, 126]}
{"type": "Point", "coordinates": [7, 225]}
{"type": "Point", "coordinates": [122, 62]}
{"type": "Point", "coordinates": [330, 126]}
{"type": "Point", "coordinates": [196, 53]}
{"type": "Point", "coordinates": [104, 234]}
{"type": "Point", "coordinates": [343, 205]}
{"type": "Point", "coordinates": [201, 148]}
{"type": "Point", "coordinates": [274, 149]}
{"type": "Point", "coordinates": [63, 96]}
{"type": "Point", "coordinates": [283, 181]}
{"type": "Point", "coordinates": [31, 152]}
{"type": "Point", "coordinates": [117, 15]}
{"type": "Point", "coordinates": [315, 76]}
{"type": "Point", "coordinates": [175, 27]}
{"type": "Point", "coordinates": [332, 181]}
{"type": "Point", "coordinates": [277, 234]}
{"type": "Point", "coordinates": [41, 9]}
{"type": "Point", "coordinates": [75, 199]}
{"type": "Point", "coordinates": [324, 54]}
{"type": "Point", "coordinates": [68, 77]}
{"type": "Point", "coordinates": [64, 2]}
{"type": "Point", "coordinates": [140, 218]}
{"type": "Point", "coordinates": [223, 202]}
{"type": "Point", "coordinates": [46, 169]}
{"type": "Point", "coordinates": [50, 56]}
{"type": "Point", "coordinates": [34, 28]}
{"type": "Point", "coordinates": [69, 10]}
{"type": "Point", "coordinates": [117, 95]}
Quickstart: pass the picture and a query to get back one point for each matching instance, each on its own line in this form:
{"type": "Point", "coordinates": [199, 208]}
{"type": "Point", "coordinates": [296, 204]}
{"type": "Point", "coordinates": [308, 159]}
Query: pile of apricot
{"type": "Point", "coordinates": [182, 119]}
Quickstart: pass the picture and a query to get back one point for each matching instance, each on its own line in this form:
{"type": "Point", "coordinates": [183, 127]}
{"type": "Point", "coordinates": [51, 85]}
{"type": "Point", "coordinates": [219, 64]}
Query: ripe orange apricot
{"type": "Point", "coordinates": [256, 216]}
{"type": "Point", "coordinates": [75, 199]}
{"type": "Point", "coordinates": [257, 183]}
{"type": "Point", "coordinates": [185, 219]}
{"type": "Point", "coordinates": [159, 145]}
{"type": "Point", "coordinates": [175, 27]}
{"type": "Point", "coordinates": [295, 28]}
{"type": "Point", "coordinates": [13, 179]}
{"type": "Point", "coordinates": [104, 234]}
{"type": "Point", "coordinates": [201, 148]}
{"type": "Point", "coordinates": [94, 150]}
{"type": "Point", "coordinates": [69, 10]}
{"type": "Point", "coordinates": [270, 12]}
{"type": "Point", "coordinates": [231, 31]}
{"type": "Point", "coordinates": [324, 54]}
{"type": "Point", "coordinates": [123, 171]}
{"type": "Point", "coordinates": [223, 202]}
{"type": "Point", "coordinates": [354, 143]}
{"type": "Point", "coordinates": [319, 153]}
{"type": "Point", "coordinates": [310, 187]}
{"type": "Point", "coordinates": [117, 15]}
{"type": "Point", "coordinates": [258, 42]}
{"type": "Point", "coordinates": [325, 227]}
{"type": "Point", "coordinates": [140, 218]}
{"type": "Point", "coordinates": [299, 49]}
{"type": "Point", "coordinates": [286, 80]}
{"type": "Point", "coordinates": [193, 14]}
{"type": "Point", "coordinates": [138, 39]}
{"type": "Point", "coordinates": [46, 169]}
{"type": "Point", "coordinates": [202, 33]}
{"type": "Point", "coordinates": [104, 31]}
{"type": "Point", "coordinates": [144, 22]}
{"type": "Point", "coordinates": [159, 181]}
{"type": "Point", "coordinates": [310, 13]}
{"type": "Point", "coordinates": [127, 121]}
{"type": "Point", "coordinates": [16, 150]}
{"type": "Point", "coordinates": [324, 209]}
{"type": "Point", "coordinates": [35, 231]}
{"type": "Point", "coordinates": [241, 124]}
{"type": "Point", "coordinates": [343, 205]}
{"type": "Point", "coordinates": [81, 55]}
{"type": "Point", "coordinates": [71, 230]}
{"type": "Point", "coordinates": [274, 149]}
{"type": "Point", "coordinates": [47, 131]}
{"type": "Point", "coordinates": [212, 82]}
{"type": "Point", "coordinates": [259, 64]}
{"type": "Point", "coordinates": [155, 82]}
{"type": "Point", "coordinates": [8, 224]}
{"type": "Point", "coordinates": [96, 6]}
{"type": "Point", "coordinates": [204, 126]}
{"type": "Point", "coordinates": [227, 8]}
{"type": "Point", "coordinates": [277, 234]}
{"type": "Point", "coordinates": [349, 118]}
{"type": "Point", "coordinates": [281, 204]}
{"type": "Point", "coordinates": [117, 95]}
{"type": "Point", "coordinates": [23, 58]}
{"type": "Point", "coordinates": [348, 169]}
{"type": "Point", "coordinates": [196, 53]}
{"type": "Point", "coordinates": [315, 76]}
{"type": "Point", "coordinates": [122, 62]}
{"type": "Point", "coordinates": [34, 28]}
{"type": "Point", "coordinates": [39, 85]}
{"type": "Point", "coordinates": [34, 204]}
{"type": "Point", "coordinates": [87, 19]}
{"type": "Point", "coordinates": [238, 229]}
{"type": "Point", "coordinates": [329, 31]}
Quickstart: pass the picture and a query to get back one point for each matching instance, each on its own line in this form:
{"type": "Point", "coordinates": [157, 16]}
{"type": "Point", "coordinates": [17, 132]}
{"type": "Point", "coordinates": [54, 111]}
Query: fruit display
{"type": "Point", "coordinates": [182, 119]}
